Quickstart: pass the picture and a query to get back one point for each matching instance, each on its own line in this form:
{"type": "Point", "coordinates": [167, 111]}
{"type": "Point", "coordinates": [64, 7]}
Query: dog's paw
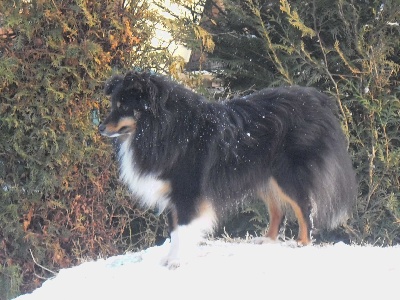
{"type": "Point", "coordinates": [170, 263]}
{"type": "Point", "coordinates": [263, 240]}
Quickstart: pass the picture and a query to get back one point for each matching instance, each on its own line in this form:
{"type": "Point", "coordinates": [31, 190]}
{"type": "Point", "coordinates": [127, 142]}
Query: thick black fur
{"type": "Point", "coordinates": [227, 151]}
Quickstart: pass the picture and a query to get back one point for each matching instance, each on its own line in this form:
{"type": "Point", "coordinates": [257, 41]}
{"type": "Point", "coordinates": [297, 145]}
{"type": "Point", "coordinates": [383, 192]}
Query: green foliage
{"type": "Point", "coordinates": [348, 49]}
{"type": "Point", "coordinates": [59, 193]}
{"type": "Point", "coordinates": [11, 281]}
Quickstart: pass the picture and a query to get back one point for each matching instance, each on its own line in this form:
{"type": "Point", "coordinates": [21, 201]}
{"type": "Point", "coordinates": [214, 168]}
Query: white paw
{"type": "Point", "coordinates": [170, 263]}
{"type": "Point", "coordinates": [263, 240]}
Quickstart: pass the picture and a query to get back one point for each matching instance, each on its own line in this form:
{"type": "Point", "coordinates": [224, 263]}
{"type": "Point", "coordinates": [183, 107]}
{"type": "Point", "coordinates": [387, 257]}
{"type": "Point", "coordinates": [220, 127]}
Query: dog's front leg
{"type": "Point", "coordinates": [186, 238]}
{"type": "Point", "coordinates": [184, 242]}
{"type": "Point", "coordinates": [172, 260]}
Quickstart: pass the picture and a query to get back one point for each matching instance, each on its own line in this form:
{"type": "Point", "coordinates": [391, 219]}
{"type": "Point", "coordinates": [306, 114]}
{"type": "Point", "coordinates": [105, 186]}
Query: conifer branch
{"type": "Point", "coordinates": [220, 10]}
{"type": "Point", "coordinates": [324, 51]}
{"type": "Point", "coordinates": [274, 58]}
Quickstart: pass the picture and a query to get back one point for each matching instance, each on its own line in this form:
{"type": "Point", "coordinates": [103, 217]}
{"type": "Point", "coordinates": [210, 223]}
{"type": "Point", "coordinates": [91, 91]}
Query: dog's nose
{"type": "Point", "coordinates": [102, 128]}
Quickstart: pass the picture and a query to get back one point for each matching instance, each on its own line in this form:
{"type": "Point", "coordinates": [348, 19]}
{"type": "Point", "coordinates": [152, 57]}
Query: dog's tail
{"type": "Point", "coordinates": [334, 191]}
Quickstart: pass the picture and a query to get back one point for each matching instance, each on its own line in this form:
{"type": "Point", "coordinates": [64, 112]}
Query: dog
{"type": "Point", "coordinates": [196, 159]}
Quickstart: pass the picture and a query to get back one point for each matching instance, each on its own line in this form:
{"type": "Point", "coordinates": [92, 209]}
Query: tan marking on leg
{"type": "Point", "coordinates": [185, 238]}
{"type": "Point", "coordinates": [165, 189]}
{"type": "Point", "coordinates": [272, 200]}
{"type": "Point", "coordinates": [206, 208]}
{"type": "Point", "coordinates": [276, 216]}
{"type": "Point", "coordinates": [303, 236]}
{"type": "Point", "coordinates": [206, 216]}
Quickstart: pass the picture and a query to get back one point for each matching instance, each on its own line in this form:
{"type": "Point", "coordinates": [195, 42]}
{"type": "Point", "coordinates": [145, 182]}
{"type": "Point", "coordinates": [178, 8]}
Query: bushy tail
{"type": "Point", "coordinates": [335, 191]}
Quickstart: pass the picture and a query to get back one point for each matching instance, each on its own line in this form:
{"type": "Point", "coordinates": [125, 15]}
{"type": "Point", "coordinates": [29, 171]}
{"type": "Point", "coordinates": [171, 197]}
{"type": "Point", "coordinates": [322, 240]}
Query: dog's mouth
{"type": "Point", "coordinates": [123, 127]}
{"type": "Point", "coordinates": [122, 131]}
{"type": "Point", "coordinates": [126, 130]}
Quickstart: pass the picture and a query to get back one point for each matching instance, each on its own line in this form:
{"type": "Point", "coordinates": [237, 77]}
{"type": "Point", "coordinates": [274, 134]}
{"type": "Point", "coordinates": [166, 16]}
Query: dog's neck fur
{"type": "Point", "coordinates": [152, 191]}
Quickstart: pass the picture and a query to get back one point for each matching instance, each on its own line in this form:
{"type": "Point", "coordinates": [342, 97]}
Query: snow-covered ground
{"type": "Point", "coordinates": [221, 270]}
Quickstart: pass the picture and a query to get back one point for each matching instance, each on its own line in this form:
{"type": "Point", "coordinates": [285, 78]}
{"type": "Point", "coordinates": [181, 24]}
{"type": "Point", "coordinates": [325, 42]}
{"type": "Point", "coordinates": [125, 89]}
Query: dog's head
{"type": "Point", "coordinates": [131, 96]}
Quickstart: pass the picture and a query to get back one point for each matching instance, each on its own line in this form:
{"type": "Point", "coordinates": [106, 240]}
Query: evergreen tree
{"type": "Point", "coordinates": [59, 196]}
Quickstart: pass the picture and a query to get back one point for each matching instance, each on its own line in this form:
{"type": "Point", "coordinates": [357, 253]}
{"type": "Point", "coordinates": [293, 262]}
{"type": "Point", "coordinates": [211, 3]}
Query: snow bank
{"type": "Point", "coordinates": [222, 270]}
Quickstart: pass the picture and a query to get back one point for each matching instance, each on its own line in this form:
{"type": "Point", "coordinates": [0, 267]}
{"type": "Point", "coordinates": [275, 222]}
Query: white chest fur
{"type": "Point", "coordinates": [151, 191]}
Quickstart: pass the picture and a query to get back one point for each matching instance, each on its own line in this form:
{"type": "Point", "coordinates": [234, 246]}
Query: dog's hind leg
{"type": "Point", "coordinates": [275, 199]}
{"type": "Point", "coordinates": [304, 234]}
{"type": "Point", "coordinates": [275, 212]}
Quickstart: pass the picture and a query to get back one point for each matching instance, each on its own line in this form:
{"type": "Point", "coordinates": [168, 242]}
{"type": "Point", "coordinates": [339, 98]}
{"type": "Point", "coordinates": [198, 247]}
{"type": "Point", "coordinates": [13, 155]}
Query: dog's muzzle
{"type": "Point", "coordinates": [125, 125]}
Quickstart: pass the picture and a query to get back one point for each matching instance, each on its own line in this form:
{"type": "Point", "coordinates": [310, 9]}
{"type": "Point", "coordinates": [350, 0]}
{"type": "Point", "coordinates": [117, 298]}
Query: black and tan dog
{"type": "Point", "coordinates": [196, 159]}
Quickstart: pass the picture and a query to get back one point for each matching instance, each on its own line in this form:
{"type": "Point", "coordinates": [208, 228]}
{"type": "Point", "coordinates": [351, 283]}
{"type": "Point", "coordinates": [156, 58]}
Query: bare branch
{"type": "Point", "coordinates": [39, 265]}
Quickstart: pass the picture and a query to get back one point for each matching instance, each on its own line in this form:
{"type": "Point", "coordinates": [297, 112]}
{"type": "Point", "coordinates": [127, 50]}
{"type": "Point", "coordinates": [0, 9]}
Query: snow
{"type": "Point", "coordinates": [221, 270]}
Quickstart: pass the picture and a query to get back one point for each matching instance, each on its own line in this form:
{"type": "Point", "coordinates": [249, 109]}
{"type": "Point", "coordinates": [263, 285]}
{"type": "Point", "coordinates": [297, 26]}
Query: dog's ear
{"type": "Point", "coordinates": [158, 93]}
{"type": "Point", "coordinates": [111, 83]}
{"type": "Point", "coordinates": [143, 83]}
{"type": "Point", "coordinates": [152, 90]}
{"type": "Point", "coordinates": [136, 81]}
